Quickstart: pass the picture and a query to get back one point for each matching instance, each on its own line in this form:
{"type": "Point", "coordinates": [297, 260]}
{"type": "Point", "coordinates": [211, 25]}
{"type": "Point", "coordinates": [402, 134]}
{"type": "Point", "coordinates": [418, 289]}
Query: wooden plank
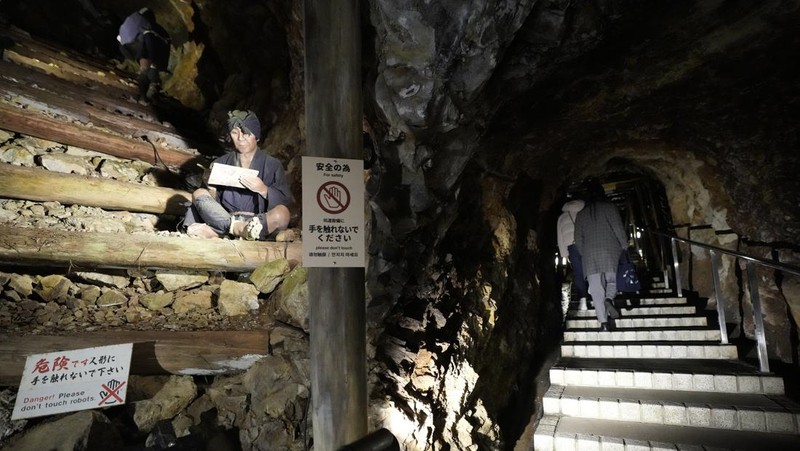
{"type": "Point", "coordinates": [154, 352]}
{"type": "Point", "coordinates": [61, 99]}
{"type": "Point", "coordinates": [38, 54]}
{"type": "Point", "coordinates": [57, 51]}
{"type": "Point", "coordinates": [40, 125]}
{"type": "Point", "coordinates": [129, 118]}
{"type": "Point", "coordinates": [104, 104]}
{"type": "Point", "coordinates": [41, 185]}
{"type": "Point", "coordinates": [83, 250]}
{"type": "Point", "coordinates": [63, 70]}
{"type": "Point", "coordinates": [88, 86]}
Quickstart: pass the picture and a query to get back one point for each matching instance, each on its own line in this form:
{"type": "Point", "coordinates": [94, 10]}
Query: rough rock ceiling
{"type": "Point", "coordinates": [715, 79]}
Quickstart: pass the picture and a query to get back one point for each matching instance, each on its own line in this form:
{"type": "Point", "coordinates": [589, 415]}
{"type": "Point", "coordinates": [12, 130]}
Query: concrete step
{"type": "Point", "coordinates": [650, 350]}
{"type": "Point", "coordinates": [569, 433]}
{"type": "Point", "coordinates": [724, 376]}
{"type": "Point", "coordinates": [734, 411]}
{"type": "Point", "coordinates": [635, 302]}
{"type": "Point", "coordinates": [647, 300]}
{"type": "Point", "coordinates": [641, 321]}
{"type": "Point", "coordinates": [640, 311]}
{"type": "Point", "coordinates": [684, 334]}
{"type": "Point", "coordinates": [653, 300]}
{"type": "Point", "coordinates": [660, 290]}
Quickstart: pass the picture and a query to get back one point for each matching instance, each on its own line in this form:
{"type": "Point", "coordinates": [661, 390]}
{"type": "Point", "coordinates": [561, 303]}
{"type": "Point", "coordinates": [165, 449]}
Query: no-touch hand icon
{"type": "Point", "coordinates": [109, 390]}
{"type": "Point", "coordinates": [333, 197]}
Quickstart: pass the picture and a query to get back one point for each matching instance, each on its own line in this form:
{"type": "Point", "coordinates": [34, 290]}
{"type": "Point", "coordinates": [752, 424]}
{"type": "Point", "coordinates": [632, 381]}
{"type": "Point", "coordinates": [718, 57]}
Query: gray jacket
{"type": "Point", "coordinates": [600, 237]}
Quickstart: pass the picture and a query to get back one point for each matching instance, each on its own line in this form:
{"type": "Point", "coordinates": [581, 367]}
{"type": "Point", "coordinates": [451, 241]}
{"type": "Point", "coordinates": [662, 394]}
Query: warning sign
{"type": "Point", "coordinates": [67, 381]}
{"type": "Point", "coordinates": [333, 213]}
{"type": "Point", "coordinates": [333, 198]}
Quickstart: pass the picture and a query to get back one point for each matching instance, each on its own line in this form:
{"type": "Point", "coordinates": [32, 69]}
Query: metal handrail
{"type": "Point", "coordinates": [752, 282]}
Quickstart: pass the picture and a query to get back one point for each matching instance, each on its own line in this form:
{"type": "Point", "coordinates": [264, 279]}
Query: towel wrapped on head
{"type": "Point", "coordinates": [246, 120]}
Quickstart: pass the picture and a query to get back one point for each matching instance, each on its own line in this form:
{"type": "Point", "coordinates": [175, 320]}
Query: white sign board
{"type": "Point", "coordinates": [333, 213]}
{"type": "Point", "coordinates": [223, 174]}
{"type": "Point", "coordinates": [67, 381]}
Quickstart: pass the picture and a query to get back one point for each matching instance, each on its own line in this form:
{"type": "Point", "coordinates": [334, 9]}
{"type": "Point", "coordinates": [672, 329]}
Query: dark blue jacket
{"type": "Point", "coordinates": [270, 171]}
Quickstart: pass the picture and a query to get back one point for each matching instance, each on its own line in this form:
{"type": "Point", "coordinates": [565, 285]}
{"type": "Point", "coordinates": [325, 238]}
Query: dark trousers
{"type": "Point", "coordinates": [145, 79]}
{"type": "Point", "coordinates": [153, 49]}
{"type": "Point", "coordinates": [578, 278]}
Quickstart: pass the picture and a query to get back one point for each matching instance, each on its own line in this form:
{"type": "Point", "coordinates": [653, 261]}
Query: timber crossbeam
{"type": "Point", "coordinates": [83, 251]}
{"type": "Point", "coordinates": [41, 185]}
{"type": "Point", "coordinates": [154, 352]}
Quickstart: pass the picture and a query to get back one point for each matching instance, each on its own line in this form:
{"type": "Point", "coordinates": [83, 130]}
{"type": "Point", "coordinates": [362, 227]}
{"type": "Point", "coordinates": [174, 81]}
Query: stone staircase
{"type": "Point", "coordinates": [661, 379]}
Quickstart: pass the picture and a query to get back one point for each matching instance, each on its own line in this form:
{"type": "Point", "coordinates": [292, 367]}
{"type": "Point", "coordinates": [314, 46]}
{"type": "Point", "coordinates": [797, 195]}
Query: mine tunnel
{"type": "Point", "coordinates": [480, 120]}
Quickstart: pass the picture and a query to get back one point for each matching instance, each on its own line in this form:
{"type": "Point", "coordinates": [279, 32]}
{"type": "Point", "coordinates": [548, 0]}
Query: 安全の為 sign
{"type": "Point", "coordinates": [333, 212]}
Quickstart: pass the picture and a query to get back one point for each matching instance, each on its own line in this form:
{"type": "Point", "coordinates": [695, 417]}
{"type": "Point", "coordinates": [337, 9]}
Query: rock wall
{"type": "Point", "coordinates": [459, 346]}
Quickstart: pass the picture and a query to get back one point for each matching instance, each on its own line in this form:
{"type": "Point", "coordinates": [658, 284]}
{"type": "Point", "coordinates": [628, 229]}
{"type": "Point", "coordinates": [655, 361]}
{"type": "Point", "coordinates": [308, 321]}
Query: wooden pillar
{"type": "Point", "coordinates": [336, 295]}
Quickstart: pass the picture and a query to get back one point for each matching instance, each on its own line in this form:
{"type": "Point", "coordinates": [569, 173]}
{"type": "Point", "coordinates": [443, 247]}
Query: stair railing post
{"type": "Point", "coordinates": [676, 266]}
{"type": "Point", "coordinates": [761, 339]}
{"type": "Point", "coordinates": [715, 266]}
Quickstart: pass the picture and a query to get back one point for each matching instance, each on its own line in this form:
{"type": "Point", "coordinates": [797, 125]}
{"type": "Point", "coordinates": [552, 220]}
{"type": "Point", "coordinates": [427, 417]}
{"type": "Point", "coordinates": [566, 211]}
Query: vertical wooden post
{"type": "Point", "coordinates": [338, 310]}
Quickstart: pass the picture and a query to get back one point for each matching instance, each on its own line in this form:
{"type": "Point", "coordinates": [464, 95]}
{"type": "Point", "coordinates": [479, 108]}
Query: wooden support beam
{"type": "Point", "coordinates": [105, 108]}
{"type": "Point", "coordinates": [42, 126]}
{"type": "Point", "coordinates": [40, 55]}
{"type": "Point", "coordinates": [45, 186]}
{"type": "Point", "coordinates": [102, 106]}
{"type": "Point", "coordinates": [154, 352]}
{"type": "Point", "coordinates": [117, 91]}
{"type": "Point", "coordinates": [83, 251]}
{"type": "Point", "coordinates": [336, 295]}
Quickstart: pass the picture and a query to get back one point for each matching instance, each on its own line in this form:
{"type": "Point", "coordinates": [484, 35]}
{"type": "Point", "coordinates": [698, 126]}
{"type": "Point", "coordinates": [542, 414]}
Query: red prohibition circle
{"type": "Point", "coordinates": [340, 204]}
